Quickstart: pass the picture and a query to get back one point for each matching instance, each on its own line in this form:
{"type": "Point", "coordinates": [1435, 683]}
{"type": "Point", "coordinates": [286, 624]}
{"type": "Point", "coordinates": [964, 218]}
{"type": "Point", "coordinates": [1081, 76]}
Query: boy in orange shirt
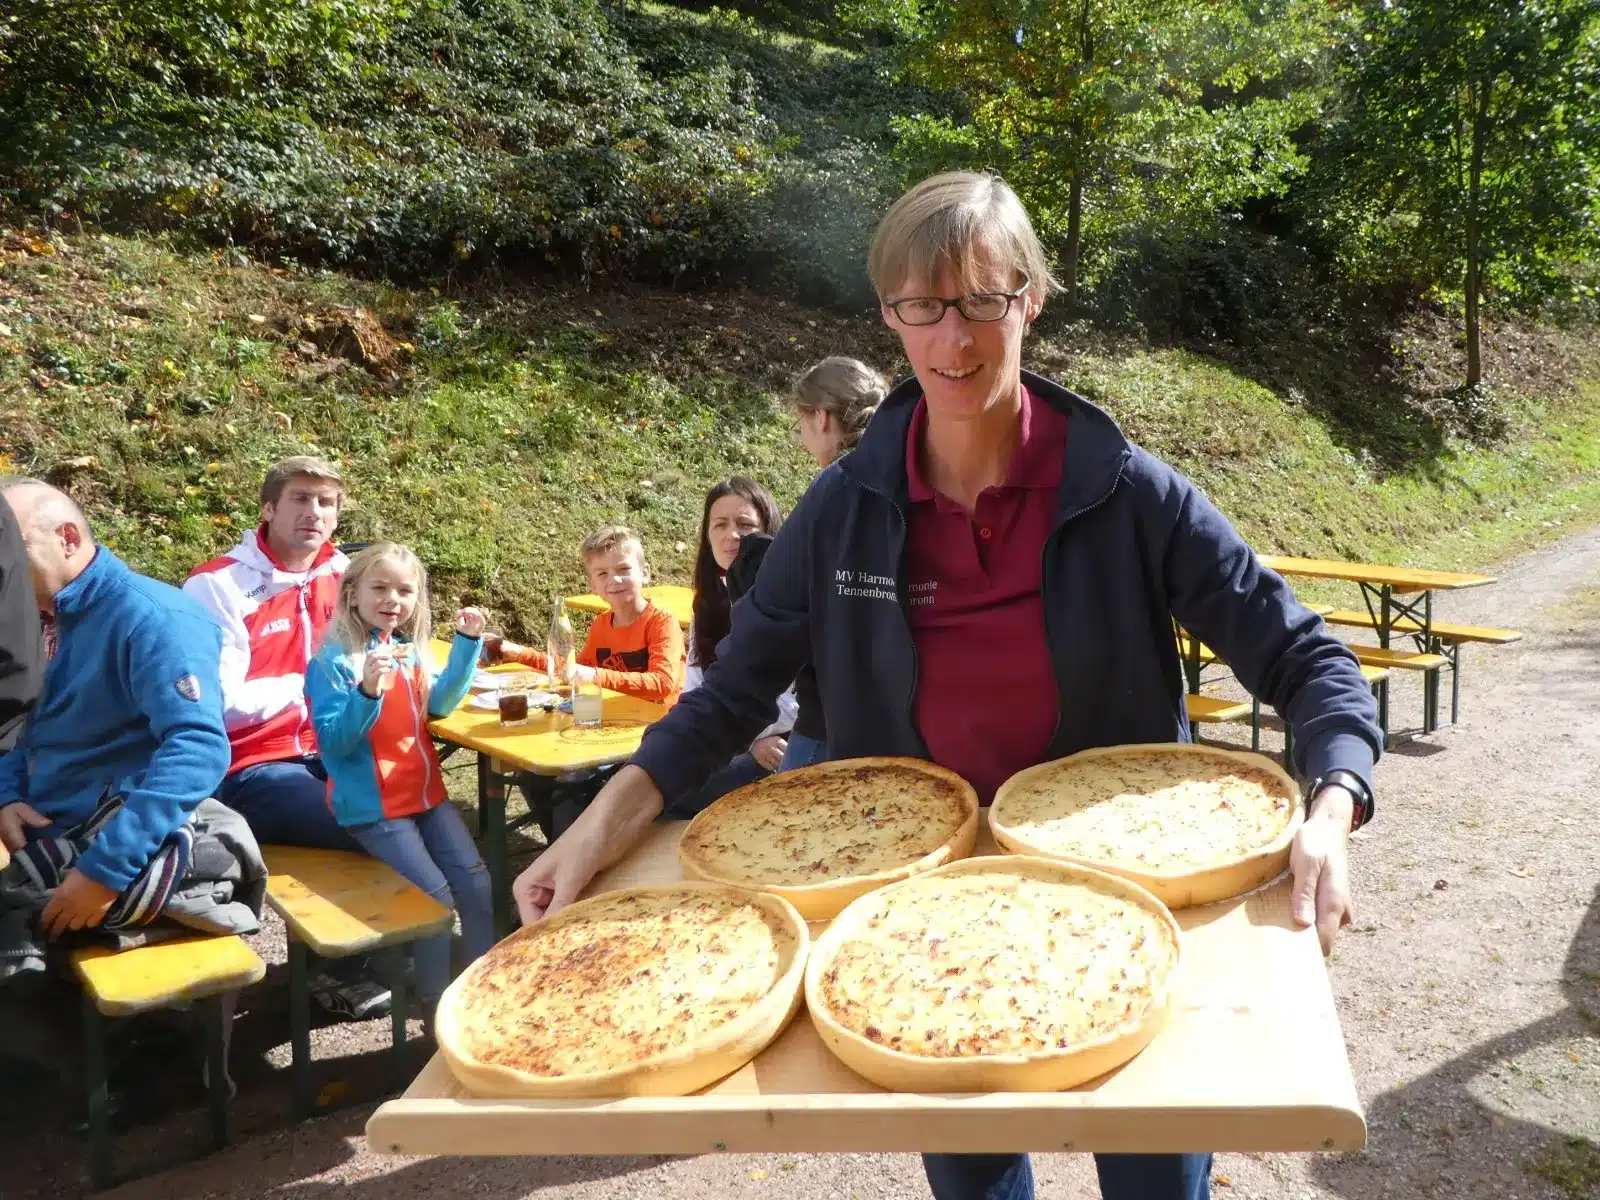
{"type": "Point", "coordinates": [635, 648]}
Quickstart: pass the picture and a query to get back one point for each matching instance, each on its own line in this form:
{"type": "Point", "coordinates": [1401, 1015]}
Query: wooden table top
{"type": "Point", "coordinates": [1401, 579]}
{"type": "Point", "coordinates": [549, 744]}
{"type": "Point", "coordinates": [1252, 1059]}
{"type": "Point", "coordinates": [674, 598]}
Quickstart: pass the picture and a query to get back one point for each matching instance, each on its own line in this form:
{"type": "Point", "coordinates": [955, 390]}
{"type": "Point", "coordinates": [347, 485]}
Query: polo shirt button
{"type": "Point", "coordinates": [985, 532]}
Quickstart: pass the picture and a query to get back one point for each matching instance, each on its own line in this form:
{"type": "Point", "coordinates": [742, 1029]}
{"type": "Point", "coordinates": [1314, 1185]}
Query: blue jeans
{"type": "Point", "coordinates": [803, 752]}
{"type": "Point", "coordinates": [434, 851]}
{"type": "Point", "coordinates": [286, 804]}
{"type": "Point", "coordinates": [1122, 1176]}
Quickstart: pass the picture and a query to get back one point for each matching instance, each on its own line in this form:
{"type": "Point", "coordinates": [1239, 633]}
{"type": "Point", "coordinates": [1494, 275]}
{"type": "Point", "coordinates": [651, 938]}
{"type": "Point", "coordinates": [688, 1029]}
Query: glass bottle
{"type": "Point", "coordinates": [560, 647]}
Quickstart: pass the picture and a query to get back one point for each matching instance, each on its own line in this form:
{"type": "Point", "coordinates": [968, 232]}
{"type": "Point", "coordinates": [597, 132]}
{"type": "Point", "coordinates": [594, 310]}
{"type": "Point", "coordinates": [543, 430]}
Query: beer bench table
{"type": "Point", "coordinates": [672, 598]}
{"type": "Point", "coordinates": [1252, 1059]}
{"type": "Point", "coordinates": [1388, 615]}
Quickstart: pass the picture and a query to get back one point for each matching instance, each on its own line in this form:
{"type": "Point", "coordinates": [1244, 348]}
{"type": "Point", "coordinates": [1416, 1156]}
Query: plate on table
{"type": "Point", "coordinates": [498, 678]}
{"type": "Point", "coordinates": [490, 701]}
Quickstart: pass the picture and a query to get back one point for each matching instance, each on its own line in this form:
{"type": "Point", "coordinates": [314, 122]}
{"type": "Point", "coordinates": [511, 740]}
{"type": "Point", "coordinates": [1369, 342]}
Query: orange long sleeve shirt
{"type": "Point", "coordinates": [644, 658]}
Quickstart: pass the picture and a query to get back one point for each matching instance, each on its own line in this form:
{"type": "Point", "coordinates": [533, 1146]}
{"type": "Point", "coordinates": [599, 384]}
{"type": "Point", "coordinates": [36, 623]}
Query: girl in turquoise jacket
{"type": "Point", "coordinates": [372, 696]}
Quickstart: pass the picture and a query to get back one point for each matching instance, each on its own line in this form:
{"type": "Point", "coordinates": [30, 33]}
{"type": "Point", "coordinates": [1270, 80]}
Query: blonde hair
{"type": "Point", "coordinates": [943, 222]}
{"type": "Point", "coordinates": [608, 538]}
{"type": "Point", "coordinates": [281, 472]}
{"type": "Point", "coordinates": [847, 390]}
{"type": "Point", "coordinates": [349, 632]}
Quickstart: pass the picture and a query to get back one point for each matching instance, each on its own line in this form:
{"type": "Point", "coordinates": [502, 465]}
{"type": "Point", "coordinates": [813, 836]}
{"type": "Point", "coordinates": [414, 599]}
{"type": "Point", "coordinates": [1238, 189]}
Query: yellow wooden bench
{"type": "Point", "coordinates": [1213, 710]}
{"type": "Point", "coordinates": [1444, 631]}
{"type": "Point", "coordinates": [126, 983]}
{"type": "Point", "coordinates": [335, 903]}
{"type": "Point", "coordinates": [1445, 638]}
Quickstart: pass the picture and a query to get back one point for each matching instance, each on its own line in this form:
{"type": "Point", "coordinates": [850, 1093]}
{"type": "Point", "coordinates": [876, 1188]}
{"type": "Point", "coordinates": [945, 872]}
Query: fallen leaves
{"type": "Point", "coordinates": [1521, 872]}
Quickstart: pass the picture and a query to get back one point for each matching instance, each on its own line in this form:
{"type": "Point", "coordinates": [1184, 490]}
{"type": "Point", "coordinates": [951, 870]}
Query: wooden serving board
{"type": "Point", "coordinates": [1252, 1059]}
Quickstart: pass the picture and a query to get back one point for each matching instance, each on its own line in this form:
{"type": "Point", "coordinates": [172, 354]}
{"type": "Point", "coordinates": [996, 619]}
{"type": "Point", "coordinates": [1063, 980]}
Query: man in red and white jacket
{"type": "Point", "coordinates": [272, 595]}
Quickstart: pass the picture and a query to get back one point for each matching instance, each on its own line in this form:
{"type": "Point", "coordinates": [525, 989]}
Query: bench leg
{"type": "Point", "coordinates": [392, 964]}
{"type": "Point", "coordinates": [300, 1028]}
{"type": "Point", "coordinates": [1430, 701]}
{"type": "Point", "coordinates": [1255, 723]}
{"type": "Point", "coordinates": [218, 1013]}
{"type": "Point", "coordinates": [1455, 683]}
{"type": "Point", "coordinates": [101, 1175]}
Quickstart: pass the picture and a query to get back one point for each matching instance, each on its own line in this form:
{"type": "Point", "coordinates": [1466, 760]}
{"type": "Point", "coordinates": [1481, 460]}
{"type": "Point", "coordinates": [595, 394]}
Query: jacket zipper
{"type": "Point", "coordinates": [305, 641]}
{"type": "Point", "coordinates": [1044, 582]}
{"type": "Point", "coordinates": [416, 724]}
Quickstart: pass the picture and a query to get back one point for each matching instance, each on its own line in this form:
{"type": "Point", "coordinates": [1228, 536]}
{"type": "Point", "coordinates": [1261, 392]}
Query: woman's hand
{"type": "Point", "coordinates": [1319, 866]}
{"type": "Point", "coordinates": [470, 622]}
{"type": "Point", "coordinates": [769, 751]}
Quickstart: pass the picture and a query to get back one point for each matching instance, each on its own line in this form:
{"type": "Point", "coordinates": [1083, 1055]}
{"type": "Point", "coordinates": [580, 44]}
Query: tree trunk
{"type": "Point", "coordinates": [1074, 234]}
{"type": "Point", "coordinates": [1473, 283]}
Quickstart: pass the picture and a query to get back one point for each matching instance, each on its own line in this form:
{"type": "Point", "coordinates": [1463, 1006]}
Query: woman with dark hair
{"type": "Point", "coordinates": [734, 509]}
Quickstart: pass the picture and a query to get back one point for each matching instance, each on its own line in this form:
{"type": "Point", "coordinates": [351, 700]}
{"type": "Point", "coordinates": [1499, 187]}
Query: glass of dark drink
{"type": "Point", "coordinates": [513, 708]}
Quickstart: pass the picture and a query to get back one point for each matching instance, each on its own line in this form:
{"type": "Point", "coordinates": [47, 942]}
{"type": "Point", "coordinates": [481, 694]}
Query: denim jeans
{"type": "Point", "coordinates": [1122, 1176]}
{"type": "Point", "coordinates": [434, 851]}
{"type": "Point", "coordinates": [803, 752]}
{"type": "Point", "coordinates": [286, 804]}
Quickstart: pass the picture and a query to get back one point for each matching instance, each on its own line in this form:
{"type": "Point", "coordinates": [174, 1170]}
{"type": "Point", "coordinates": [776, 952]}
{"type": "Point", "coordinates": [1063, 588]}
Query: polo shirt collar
{"type": "Point", "coordinates": [1035, 463]}
{"type": "Point", "coordinates": [1096, 450]}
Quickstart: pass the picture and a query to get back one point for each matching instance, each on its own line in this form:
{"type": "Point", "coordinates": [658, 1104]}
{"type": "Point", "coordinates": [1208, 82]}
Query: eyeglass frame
{"type": "Point", "coordinates": [1010, 297]}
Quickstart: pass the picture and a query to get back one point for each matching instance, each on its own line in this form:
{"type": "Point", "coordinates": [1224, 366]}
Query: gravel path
{"type": "Point", "coordinates": [1469, 988]}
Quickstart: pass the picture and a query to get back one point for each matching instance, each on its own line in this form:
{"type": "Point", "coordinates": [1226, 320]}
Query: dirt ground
{"type": "Point", "coordinates": [1469, 989]}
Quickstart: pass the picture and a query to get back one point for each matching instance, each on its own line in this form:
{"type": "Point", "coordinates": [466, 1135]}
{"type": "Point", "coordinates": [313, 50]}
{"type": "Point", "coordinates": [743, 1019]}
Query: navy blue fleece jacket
{"type": "Point", "coordinates": [1135, 545]}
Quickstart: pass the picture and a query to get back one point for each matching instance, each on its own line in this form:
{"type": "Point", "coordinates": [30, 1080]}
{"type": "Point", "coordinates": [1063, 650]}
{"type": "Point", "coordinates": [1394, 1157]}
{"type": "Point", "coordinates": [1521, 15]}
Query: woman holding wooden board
{"type": "Point", "coordinates": [989, 581]}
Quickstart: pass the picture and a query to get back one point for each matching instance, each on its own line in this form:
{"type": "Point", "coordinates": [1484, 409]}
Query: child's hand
{"type": "Point", "coordinates": [470, 621]}
{"type": "Point", "coordinates": [377, 673]}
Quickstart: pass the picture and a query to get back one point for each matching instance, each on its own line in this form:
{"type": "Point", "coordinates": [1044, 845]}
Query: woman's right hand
{"type": "Point", "coordinates": [612, 824]}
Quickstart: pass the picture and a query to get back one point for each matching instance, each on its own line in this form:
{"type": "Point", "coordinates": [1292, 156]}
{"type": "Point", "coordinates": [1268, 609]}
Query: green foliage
{"type": "Point", "coordinates": [1111, 116]}
{"type": "Point", "coordinates": [1468, 151]}
{"type": "Point", "coordinates": [449, 135]}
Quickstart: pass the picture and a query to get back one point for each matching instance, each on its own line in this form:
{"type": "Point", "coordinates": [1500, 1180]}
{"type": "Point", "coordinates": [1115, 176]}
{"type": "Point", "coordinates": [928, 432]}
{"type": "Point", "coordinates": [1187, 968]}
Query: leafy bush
{"type": "Point", "coordinates": [449, 135]}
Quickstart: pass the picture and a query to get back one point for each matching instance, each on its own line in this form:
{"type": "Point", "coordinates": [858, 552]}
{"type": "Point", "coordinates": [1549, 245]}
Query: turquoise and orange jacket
{"type": "Point", "coordinates": [378, 755]}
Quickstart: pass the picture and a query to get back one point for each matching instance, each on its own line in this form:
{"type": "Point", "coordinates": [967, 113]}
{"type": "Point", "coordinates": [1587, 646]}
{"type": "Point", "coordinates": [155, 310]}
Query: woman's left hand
{"type": "Point", "coordinates": [769, 751]}
{"type": "Point", "coordinates": [1320, 868]}
{"type": "Point", "coordinates": [470, 622]}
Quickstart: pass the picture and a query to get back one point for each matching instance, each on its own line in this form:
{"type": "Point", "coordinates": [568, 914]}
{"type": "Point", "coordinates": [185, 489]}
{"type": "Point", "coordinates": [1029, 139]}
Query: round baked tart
{"type": "Point", "coordinates": [1193, 824]}
{"type": "Point", "coordinates": [645, 991]}
{"type": "Point", "coordinates": [999, 973]}
{"type": "Point", "coordinates": [821, 836]}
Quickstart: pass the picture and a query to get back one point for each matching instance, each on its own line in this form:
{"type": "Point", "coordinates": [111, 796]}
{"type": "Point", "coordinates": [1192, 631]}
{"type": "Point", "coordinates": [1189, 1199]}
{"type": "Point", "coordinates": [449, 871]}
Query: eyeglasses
{"type": "Point", "coordinates": [974, 306]}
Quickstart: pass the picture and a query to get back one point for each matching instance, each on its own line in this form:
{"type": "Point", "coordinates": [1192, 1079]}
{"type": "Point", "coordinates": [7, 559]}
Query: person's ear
{"type": "Point", "coordinates": [827, 421]}
{"type": "Point", "coordinates": [1035, 306]}
{"type": "Point", "coordinates": [72, 539]}
{"type": "Point", "coordinates": [644, 573]}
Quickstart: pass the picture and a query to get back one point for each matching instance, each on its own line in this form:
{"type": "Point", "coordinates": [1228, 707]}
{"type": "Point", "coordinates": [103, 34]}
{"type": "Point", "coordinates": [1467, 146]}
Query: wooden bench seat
{"type": "Point", "coordinates": [1445, 631]}
{"type": "Point", "coordinates": [1398, 660]}
{"type": "Point", "coordinates": [338, 903]}
{"type": "Point", "coordinates": [1211, 710]}
{"type": "Point", "coordinates": [124, 983]}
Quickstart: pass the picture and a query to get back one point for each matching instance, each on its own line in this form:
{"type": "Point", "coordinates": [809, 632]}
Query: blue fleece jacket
{"type": "Point", "coordinates": [131, 704]}
{"type": "Point", "coordinates": [1135, 544]}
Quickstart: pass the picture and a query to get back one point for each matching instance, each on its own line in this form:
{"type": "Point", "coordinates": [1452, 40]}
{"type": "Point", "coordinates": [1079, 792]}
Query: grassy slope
{"type": "Point", "coordinates": [520, 420]}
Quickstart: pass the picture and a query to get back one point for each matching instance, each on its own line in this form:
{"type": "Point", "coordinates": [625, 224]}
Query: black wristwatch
{"type": "Point", "coordinates": [1352, 783]}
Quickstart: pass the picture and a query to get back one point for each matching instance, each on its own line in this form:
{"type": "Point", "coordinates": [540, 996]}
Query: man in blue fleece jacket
{"type": "Point", "coordinates": [131, 707]}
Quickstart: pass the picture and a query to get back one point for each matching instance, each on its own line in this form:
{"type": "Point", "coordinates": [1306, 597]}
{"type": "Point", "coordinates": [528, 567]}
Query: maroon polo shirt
{"type": "Point", "coordinates": [986, 692]}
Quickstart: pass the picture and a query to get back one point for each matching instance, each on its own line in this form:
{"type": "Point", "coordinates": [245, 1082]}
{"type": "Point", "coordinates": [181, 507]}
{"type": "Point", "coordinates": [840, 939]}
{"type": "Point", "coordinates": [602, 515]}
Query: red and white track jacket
{"type": "Point", "coordinates": [272, 622]}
